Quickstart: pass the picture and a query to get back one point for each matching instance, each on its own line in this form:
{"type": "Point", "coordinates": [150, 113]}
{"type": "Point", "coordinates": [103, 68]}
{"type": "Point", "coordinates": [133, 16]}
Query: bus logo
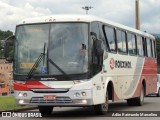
{"type": "Point", "coordinates": [119, 64]}
{"type": "Point", "coordinates": [112, 63]}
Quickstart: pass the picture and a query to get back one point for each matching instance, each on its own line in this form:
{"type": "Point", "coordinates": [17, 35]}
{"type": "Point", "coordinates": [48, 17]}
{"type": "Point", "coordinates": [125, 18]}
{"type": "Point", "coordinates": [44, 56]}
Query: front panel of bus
{"type": "Point", "coordinates": [51, 64]}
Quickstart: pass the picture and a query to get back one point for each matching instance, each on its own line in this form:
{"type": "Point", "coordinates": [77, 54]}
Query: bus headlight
{"type": "Point", "coordinates": [24, 94]}
{"type": "Point", "coordinates": [20, 94]}
{"type": "Point", "coordinates": [83, 93]}
{"type": "Point", "coordinates": [77, 94]}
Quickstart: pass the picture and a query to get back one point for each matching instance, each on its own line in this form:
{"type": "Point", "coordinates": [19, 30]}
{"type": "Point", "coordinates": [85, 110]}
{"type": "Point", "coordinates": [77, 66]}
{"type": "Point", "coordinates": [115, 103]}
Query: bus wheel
{"type": "Point", "coordinates": [102, 109]}
{"type": "Point", "coordinates": [158, 94]}
{"type": "Point", "coordinates": [137, 101]}
{"type": "Point", "coordinates": [140, 100]}
{"type": "Point", "coordinates": [45, 110]}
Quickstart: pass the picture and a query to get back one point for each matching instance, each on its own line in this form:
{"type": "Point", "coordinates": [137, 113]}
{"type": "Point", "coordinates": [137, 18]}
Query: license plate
{"type": "Point", "coordinates": [49, 97]}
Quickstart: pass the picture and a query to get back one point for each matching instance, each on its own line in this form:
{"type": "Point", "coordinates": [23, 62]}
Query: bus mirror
{"type": "Point", "coordinates": [97, 43]}
{"type": "Point", "coordinates": [94, 36]}
{"type": "Point", "coordinates": [8, 48]}
{"type": "Point", "coordinates": [99, 48]}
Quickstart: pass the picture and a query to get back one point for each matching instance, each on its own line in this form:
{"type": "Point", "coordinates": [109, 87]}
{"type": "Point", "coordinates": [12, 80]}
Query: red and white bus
{"type": "Point", "coordinates": [82, 60]}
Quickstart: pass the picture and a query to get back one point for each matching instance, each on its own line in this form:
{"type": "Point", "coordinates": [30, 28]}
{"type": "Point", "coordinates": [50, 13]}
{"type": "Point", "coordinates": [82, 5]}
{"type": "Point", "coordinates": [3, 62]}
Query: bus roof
{"type": "Point", "coordinates": [81, 18]}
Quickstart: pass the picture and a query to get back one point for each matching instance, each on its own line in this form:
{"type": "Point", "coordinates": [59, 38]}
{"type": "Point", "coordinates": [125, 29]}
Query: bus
{"type": "Point", "coordinates": [81, 61]}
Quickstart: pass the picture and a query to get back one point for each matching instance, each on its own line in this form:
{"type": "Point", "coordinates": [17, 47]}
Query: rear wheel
{"type": "Point", "coordinates": [137, 101]}
{"type": "Point", "coordinates": [102, 109]}
{"type": "Point", "coordinates": [45, 110]}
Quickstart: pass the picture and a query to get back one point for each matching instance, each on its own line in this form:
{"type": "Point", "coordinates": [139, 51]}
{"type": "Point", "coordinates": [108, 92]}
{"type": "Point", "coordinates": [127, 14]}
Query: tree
{"type": "Point", "coordinates": [5, 34]}
{"type": "Point", "coordinates": [1, 50]}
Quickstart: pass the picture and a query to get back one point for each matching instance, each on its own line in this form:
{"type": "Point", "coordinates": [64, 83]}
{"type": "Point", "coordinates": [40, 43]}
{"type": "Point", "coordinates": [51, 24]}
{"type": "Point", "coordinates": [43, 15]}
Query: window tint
{"type": "Point", "coordinates": [140, 50]}
{"type": "Point", "coordinates": [110, 35]}
{"type": "Point", "coordinates": [131, 44]}
{"type": "Point", "coordinates": [121, 40]}
{"type": "Point", "coordinates": [149, 50]}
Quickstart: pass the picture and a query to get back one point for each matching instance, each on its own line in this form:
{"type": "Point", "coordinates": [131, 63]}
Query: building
{"type": "Point", "coordinates": [6, 77]}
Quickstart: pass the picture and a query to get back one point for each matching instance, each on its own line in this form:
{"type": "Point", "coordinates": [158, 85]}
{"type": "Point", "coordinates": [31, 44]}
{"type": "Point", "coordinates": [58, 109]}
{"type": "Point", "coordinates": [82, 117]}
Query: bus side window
{"type": "Point", "coordinates": [131, 44]}
{"type": "Point", "coordinates": [149, 50]}
{"type": "Point", "coordinates": [140, 50]}
{"type": "Point", "coordinates": [153, 48]}
{"type": "Point", "coordinates": [110, 38]}
{"type": "Point", "coordinates": [144, 46]}
{"type": "Point", "coordinates": [121, 41]}
{"type": "Point", "coordinates": [155, 51]}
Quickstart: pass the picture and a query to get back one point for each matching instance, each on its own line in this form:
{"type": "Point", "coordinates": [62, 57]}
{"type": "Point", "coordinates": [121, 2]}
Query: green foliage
{"type": "Point", "coordinates": [1, 51]}
{"type": "Point", "coordinates": [5, 34]}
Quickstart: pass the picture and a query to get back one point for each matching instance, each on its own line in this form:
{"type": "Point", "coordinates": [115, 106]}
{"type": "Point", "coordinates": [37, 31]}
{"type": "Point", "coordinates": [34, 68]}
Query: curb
{"type": "Point", "coordinates": [20, 110]}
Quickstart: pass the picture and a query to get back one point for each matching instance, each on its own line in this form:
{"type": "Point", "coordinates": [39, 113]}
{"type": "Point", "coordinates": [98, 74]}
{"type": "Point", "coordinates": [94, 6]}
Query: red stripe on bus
{"type": "Point", "coordinates": [149, 74]}
{"type": "Point", "coordinates": [29, 85]}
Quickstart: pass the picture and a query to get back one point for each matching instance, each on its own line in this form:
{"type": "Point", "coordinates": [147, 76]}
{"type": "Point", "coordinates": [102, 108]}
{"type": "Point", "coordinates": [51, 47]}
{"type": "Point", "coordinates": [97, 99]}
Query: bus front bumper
{"type": "Point", "coordinates": [72, 98]}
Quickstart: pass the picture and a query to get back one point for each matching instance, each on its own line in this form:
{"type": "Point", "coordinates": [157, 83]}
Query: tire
{"type": "Point", "coordinates": [158, 94]}
{"type": "Point", "coordinates": [45, 110]}
{"type": "Point", "coordinates": [102, 109]}
{"type": "Point", "coordinates": [131, 102]}
{"type": "Point", "coordinates": [137, 101]}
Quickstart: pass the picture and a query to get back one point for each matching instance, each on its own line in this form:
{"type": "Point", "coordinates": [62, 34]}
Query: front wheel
{"type": "Point", "coordinates": [45, 110]}
{"type": "Point", "coordinates": [102, 109]}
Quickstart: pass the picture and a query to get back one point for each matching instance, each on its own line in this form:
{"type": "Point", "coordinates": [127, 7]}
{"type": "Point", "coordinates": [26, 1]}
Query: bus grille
{"type": "Point", "coordinates": [57, 100]}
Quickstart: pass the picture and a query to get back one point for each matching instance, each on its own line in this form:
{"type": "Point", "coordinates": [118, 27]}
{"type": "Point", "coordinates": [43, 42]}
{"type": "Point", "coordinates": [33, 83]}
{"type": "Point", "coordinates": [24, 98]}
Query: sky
{"type": "Point", "coordinates": [121, 11]}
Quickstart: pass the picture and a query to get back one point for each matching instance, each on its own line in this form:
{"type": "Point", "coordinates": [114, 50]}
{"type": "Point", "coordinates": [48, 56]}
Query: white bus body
{"type": "Point", "coordinates": [121, 75]}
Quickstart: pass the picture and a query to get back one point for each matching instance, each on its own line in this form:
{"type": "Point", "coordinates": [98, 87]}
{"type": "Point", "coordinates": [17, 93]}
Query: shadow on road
{"type": "Point", "coordinates": [89, 111]}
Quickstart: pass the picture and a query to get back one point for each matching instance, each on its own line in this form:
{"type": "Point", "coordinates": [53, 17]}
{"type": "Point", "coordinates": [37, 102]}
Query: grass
{"type": "Point", "coordinates": [8, 103]}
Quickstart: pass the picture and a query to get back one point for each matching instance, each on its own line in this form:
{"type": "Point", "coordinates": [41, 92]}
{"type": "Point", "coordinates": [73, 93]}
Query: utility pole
{"type": "Point", "coordinates": [87, 8]}
{"type": "Point", "coordinates": [137, 15]}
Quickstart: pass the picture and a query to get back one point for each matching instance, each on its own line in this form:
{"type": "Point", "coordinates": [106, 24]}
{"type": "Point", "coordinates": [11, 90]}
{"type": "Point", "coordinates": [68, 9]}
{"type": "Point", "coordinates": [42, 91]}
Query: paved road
{"type": "Point", "coordinates": [152, 104]}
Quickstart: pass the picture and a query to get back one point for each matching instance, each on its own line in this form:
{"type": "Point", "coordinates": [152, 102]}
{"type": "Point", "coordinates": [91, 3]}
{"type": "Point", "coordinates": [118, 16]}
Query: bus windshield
{"type": "Point", "coordinates": [66, 43]}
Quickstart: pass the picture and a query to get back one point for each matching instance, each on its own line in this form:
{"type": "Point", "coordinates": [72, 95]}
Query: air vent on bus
{"type": "Point", "coordinates": [55, 90]}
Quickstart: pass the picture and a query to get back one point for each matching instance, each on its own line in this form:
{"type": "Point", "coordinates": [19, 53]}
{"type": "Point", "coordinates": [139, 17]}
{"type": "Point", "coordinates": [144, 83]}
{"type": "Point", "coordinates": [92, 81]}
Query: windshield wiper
{"type": "Point", "coordinates": [40, 58]}
{"type": "Point", "coordinates": [36, 64]}
{"type": "Point", "coordinates": [54, 64]}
